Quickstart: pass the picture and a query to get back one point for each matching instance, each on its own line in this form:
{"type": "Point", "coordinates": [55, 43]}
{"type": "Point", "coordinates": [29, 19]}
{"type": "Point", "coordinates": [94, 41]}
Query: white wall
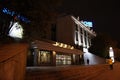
{"type": "Point", "coordinates": [93, 59]}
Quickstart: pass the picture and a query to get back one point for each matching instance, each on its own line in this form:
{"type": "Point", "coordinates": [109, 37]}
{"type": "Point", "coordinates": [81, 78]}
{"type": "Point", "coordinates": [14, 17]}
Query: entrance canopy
{"type": "Point", "coordinates": [49, 46]}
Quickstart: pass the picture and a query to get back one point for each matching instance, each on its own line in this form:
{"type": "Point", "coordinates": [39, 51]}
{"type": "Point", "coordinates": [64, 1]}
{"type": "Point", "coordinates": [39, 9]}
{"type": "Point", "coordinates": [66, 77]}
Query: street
{"type": "Point", "coordinates": [88, 72]}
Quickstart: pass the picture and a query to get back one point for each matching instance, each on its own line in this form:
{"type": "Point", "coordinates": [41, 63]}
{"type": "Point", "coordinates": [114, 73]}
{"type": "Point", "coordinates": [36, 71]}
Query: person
{"type": "Point", "coordinates": [87, 61]}
{"type": "Point", "coordinates": [110, 62]}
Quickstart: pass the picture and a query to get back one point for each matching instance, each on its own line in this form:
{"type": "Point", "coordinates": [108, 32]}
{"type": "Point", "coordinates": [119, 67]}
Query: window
{"type": "Point", "coordinates": [44, 57]}
{"type": "Point", "coordinates": [81, 31]}
{"type": "Point", "coordinates": [85, 34]}
{"type": "Point", "coordinates": [63, 59]}
{"type": "Point", "coordinates": [76, 36]}
{"type": "Point", "coordinates": [85, 40]}
{"type": "Point", "coordinates": [81, 38]}
{"type": "Point", "coordinates": [76, 27]}
{"type": "Point", "coordinates": [53, 32]}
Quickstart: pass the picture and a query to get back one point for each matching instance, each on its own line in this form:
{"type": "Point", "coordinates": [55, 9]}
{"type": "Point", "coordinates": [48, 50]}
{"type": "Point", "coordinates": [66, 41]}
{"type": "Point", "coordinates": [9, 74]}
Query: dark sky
{"type": "Point", "coordinates": [105, 14]}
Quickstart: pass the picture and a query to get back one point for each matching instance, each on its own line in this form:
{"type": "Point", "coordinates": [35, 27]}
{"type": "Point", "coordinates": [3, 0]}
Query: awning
{"type": "Point", "coordinates": [49, 46]}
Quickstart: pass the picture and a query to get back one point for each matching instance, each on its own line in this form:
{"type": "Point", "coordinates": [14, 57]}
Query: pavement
{"type": "Point", "coordinates": [76, 72]}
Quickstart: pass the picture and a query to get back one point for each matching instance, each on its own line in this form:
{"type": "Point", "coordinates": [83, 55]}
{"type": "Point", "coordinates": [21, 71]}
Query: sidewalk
{"type": "Point", "coordinates": [110, 74]}
{"type": "Point", "coordinates": [93, 72]}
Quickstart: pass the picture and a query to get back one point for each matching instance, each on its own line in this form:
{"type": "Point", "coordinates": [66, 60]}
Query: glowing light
{"type": "Point", "coordinates": [63, 45]}
{"type": "Point", "coordinates": [111, 53]}
{"type": "Point", "coordinates": [56, 44]}
{"type": "Point", "coordinates": [72, 47]}
{"type": "Point", "coordinates": [85, 50]}
{"type": "Point", "coordinates": [87, 23]}
{"type": "Point", "coordinates": [54, 53]}
{"type": "Point", "coordinates": [16, 31]}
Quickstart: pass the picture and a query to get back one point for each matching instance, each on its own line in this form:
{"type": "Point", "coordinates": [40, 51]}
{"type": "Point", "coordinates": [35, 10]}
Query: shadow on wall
{"type": "Point", "coordinates": [91, 59]}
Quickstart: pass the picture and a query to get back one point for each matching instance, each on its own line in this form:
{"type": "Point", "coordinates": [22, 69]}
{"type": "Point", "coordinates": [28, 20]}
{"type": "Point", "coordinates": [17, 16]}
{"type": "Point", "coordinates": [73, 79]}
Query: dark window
{"type": "Point", "coordinates": [85, 40]}
{"type": "Point", "coordinates": [76, 36]}
{"type": "Point", "coordinates": [81, 39]}
{"type": "Point", "coordinates": [85, 33]}
{"type": "Point", "coordinates": [53, 32]}
{"type": "Point", "coordinates": [76, 27]}
{"type": "Point", "coordinates": [81, 30]}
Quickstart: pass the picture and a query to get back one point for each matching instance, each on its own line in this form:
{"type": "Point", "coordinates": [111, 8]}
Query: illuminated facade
{"type": "Point", "coordinates": [66, 42]}
{"type": "Point", "coordinates": [16, 30]}
{"type": "Point", "coordinates": [74, 32]}
{"type": "Point", "coordinates": [53, 53]}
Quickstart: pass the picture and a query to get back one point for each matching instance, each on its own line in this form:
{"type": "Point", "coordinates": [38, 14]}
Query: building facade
{"type": "Point", "coordinates": [75, 32]}
{"type": "Point", "coordinates": [66, 43]}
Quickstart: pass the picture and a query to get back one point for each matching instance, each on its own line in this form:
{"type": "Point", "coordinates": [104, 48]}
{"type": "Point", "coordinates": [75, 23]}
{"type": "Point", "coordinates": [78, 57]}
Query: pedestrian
{"type": "Point", "coordinates": [87, 61]}
{"type": "Point", "coordinates": [110, 62]}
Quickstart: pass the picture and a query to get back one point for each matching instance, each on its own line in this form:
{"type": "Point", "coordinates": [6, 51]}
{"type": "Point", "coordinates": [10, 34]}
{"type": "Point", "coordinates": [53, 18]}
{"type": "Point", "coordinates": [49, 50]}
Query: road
{"type": "Point", "coordinates": [88, 72]}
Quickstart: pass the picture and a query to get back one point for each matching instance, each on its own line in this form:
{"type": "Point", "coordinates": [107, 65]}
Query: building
{"type": "Point", "coordinates": [75, 32]}
{"type": "Point", "coordinates": [67, 40]}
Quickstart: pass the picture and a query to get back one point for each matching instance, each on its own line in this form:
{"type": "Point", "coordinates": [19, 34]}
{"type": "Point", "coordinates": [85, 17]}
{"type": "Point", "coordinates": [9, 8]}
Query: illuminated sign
{"type": "Point", "coordinates": [13, 13]}
{"type": "Point", "coordinates": [16, 30]}
{"type": "Point", "coordinates": [63, 45]}
{"type": "Point", "coordinates": [87, 23]}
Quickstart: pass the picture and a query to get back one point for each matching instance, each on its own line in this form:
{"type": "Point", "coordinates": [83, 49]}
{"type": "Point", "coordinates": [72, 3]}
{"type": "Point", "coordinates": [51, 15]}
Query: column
{"type": "Point", "coordinates": [87, 39]}
{"type": "Point", "coordinates": [53, 60]}
{"type": "Point", "coordinates": [35, 56]}
{"type": "Point", "coordinates": [83, 38]}
{"type": "Point", "coordinates": [79, 37]}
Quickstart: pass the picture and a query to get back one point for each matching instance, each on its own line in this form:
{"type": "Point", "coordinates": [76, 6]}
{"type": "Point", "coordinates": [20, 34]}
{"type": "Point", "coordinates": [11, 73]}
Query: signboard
{"type": "Point", "coordinates": [13, 13]}
{"type": "Point", "coordinates": [87, 23]}
{"type": "Point", "coordinates": [16, 30]}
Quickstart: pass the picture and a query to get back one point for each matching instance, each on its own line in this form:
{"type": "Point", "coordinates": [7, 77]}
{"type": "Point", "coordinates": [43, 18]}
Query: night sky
{"type": "Point", "coordinates": [104, 14]}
